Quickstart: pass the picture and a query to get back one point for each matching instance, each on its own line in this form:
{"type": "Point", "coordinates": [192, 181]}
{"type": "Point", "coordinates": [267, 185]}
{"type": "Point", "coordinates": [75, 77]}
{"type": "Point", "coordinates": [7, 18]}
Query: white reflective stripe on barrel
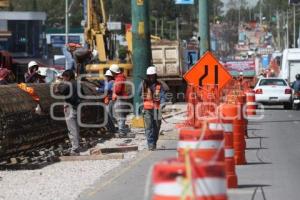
{"type": "Point", "coordinates": [204, 144]}
{"type": "Point", "coordinates": [215, 126]}
{"type": "Point", "coordinates": [203, 187]}
{"type": "Point", "coordinates": [250, 94]}
{"type": "Point", "coordinates": [229, 153]}
{"type": "Point", "coordinates": [227, 128]}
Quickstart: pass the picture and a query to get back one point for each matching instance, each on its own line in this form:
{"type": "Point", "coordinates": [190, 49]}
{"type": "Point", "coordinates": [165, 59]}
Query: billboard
{"type": "Point", "coordinates": [237, 66]}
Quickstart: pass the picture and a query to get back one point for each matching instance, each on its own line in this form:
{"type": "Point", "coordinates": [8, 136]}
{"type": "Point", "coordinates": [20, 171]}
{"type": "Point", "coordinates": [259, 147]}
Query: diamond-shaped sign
{"type": "Point", "coordinates": [208, 71]}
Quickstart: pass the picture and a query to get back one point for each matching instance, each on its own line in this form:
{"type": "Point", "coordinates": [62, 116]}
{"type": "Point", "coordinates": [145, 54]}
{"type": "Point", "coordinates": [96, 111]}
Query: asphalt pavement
{"type": "Point", "coordinates": [273, 156]}
{"type": "Point", "coordinates": [272, 172]}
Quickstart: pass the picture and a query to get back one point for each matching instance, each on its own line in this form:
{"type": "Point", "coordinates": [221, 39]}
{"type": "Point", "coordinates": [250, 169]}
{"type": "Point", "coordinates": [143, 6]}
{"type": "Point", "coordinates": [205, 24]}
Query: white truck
{"type": "Point", "coordinates": [290, 64]}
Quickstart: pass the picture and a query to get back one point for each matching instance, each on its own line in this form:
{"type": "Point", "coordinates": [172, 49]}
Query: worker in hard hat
{"type": "Point", "coordinates": [107, 90]}
{"type": "Point", "coordinates": [6, 76]}
{"type": "Point", "coordinates": [119, 96]}
{"type": "Point", "coordinates": [68, 88]}
{"type": "Point", "coordinates": [153, 94]}
{"type": "Point", "coordinates": [32, 75]}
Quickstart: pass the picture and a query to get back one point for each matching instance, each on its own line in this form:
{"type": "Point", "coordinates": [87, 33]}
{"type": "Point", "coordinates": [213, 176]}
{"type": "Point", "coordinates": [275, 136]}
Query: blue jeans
{"type": "Point", "coordinates": [152, 120]}
{"type": "Point", "coordinates": [110, 123]}
{"type": "Point", "coordinates": [73, 127]}
{"type": "Point", "coordinates": [121, 116]}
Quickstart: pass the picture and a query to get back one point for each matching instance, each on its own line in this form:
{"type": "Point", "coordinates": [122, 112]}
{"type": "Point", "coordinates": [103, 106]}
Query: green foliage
{"type": "Point", "coordinates": [120, 10]}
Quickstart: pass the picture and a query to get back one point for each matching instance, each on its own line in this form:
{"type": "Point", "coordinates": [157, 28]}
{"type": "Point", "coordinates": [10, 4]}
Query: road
{"type": "Point", "coordinates": [272, 172]}
{"type": "Point", "coordinates": [273, 156]}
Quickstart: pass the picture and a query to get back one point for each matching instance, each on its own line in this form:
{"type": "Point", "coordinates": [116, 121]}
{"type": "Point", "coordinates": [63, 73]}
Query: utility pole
{"type": "Point", "coordinates": [141, 45]}
{"type": "Point", "coordinates": [294, 19]}
{"type": "Point", "coordinates": [260, 12]}
{"type": "Point", "coordinates": [278, 30]}
{"type": "Point", "coordinates": [239, 13]}
{"type": "Point", "coordinates": [156, 26]}
{"type": "Point", "coordinates": [204, 27]}
{"type": "Point", "coordinates": [177, 29]}
{"type": "Point", "coordinates": [162, 28]}
{"type": "Point", "coordinates": [66, 25]}
{"type": "Point", "coordinates": [287, 29]}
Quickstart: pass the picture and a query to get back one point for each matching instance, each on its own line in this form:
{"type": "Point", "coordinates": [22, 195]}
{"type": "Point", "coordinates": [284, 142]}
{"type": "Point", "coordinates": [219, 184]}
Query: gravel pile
{"type": "Point", "coordinates": [66, 180]}
{"type": "Point", "coordinates": [61, 181]}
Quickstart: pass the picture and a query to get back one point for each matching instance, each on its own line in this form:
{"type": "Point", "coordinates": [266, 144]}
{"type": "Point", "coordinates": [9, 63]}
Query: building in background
{"type": "Point", "coordinates": [21, 33]}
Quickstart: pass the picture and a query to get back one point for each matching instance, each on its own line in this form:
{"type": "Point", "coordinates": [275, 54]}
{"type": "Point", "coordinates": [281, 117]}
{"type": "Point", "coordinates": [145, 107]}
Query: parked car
{"type": "Point", "coordinates": [274, 91]}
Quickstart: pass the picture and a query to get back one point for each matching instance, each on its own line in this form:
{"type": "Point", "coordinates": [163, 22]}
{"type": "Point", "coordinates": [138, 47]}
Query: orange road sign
{"type": "Point", "coordinates": [208, 71]}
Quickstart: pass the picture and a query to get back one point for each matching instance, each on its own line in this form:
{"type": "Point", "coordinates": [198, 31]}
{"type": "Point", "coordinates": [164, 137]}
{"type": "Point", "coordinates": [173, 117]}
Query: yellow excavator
{"type": "Point", "coordinates": [99, 38]}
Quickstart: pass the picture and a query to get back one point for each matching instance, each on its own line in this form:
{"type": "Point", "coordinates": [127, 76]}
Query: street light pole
{"type": "Point", "coordinates": [260, 11]}
{"type": "Point", "coordinates": [203, 27]}
{"type": "Point", "coordinates": [66, 27]}
{"type": "Point", "coordinates": [294, 18]}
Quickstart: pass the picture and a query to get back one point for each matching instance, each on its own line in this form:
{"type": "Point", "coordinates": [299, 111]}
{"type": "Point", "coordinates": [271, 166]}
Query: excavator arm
{"type": "Point", "coordinates": [96, 32]}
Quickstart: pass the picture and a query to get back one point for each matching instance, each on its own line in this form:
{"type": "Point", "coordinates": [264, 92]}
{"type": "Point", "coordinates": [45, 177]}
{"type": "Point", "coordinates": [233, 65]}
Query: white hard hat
{"type": "Point", "coordinates": [151, 70]}
{"type": "Point", "coordinates": [108, 73]}
{"type": "Point", "coordinates": [241, 73]}
{"type": "Point", "coordinates": [43, 71]}
{"type": "Point", "coordinates": [115, 69]}
{"type": "Point", "coordinates": [32, 63]}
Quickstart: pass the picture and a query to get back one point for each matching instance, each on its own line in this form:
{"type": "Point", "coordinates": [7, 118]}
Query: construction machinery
{"type": "Point", "coordinates": [99, 38]}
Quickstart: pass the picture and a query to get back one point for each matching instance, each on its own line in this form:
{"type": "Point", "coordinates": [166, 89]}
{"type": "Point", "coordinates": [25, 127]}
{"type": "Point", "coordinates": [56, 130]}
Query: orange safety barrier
{"type": "Point", "coordinates": [251, 103]}
{"type": "Point", "coordinates": [227, 127]}
{"type": "Point", "coordinates": [203, 144]}
{"type": "Point", "coordinates": [170, 181]}
{"type": "Point", "coordinates": [234, 113]}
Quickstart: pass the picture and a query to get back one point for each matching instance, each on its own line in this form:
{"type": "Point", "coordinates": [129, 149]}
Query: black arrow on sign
{"type": "Point", "coordinates": [216, 74]}
{"type": "Point", "coordinates": [204, 76]}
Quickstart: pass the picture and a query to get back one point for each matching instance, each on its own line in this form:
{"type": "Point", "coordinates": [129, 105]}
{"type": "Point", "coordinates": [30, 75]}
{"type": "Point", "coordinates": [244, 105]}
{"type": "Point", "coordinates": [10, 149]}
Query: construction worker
{"type": "Point", "coordinates": [153, 94]}
{"type": "Point", "coordinates": [6, 76]}
{"type": "Point", "coordinates": [69, 87]}
{"type": "Point", "coordinates": [107, 89]}
{"type": "Point", "coordinates": [119, 97]}
{"type": "Point", "coordinates": [81, 55]}
{"type": "Point", "coordinates": [296, 84]}
{"type": "Point", "coordinates": [32, 75]}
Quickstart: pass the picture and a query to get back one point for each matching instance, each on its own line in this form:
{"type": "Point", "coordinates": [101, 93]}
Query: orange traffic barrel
{"type": "Point", "coordinates": [239, 142]}
{"type": "Point", "coordinates": [251, 103]}
{"type": "Point", "coordinates": [227, 127]}
{"type": "Point", "coordinates": [229, 112]}
{"type": "Point", "coordinates": [170, 180]}
{"type": "Point", "coordinates": [203, 144]}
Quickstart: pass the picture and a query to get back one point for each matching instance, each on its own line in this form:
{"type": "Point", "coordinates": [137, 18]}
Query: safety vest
{"type": "Point", "coordinates": [152, 101]}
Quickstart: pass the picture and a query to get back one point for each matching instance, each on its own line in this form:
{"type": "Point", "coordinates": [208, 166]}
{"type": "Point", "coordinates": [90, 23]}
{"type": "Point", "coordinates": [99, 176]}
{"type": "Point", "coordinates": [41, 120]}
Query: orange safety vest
{"type": "Point", "coordinates": [152, 101]}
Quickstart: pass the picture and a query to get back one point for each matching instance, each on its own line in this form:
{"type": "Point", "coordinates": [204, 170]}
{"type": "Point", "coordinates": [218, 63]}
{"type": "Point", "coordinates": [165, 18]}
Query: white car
{"type": "Point", "coordinates": [273, 91]}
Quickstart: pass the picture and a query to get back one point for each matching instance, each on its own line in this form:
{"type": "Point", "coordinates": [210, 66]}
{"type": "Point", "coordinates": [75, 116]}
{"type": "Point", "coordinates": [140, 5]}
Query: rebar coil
{"type": "Point", "coordinates": [22, 129]}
